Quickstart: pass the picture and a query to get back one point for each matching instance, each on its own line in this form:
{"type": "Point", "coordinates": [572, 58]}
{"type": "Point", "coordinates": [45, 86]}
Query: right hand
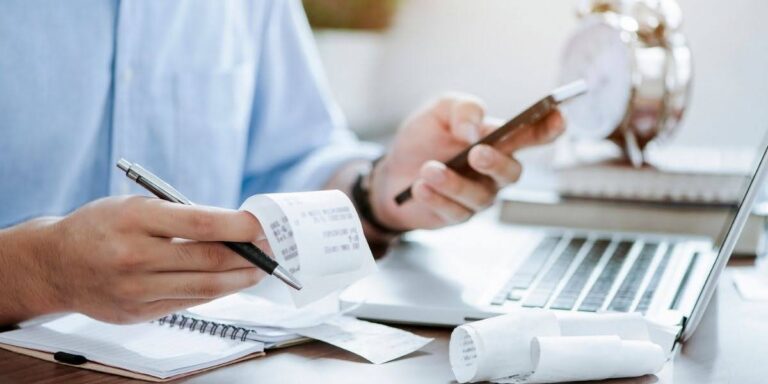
{"type": "Point", "coordinates": [122, 260]}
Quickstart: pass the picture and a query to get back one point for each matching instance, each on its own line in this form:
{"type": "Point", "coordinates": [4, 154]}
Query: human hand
{"type": "Point", "coordinates": [122, 260]}
{"type": "Point", "coordinates": [440, 195]}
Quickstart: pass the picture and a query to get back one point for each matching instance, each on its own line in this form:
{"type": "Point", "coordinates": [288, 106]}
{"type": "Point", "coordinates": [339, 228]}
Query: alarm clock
{"type": "Point", "coordinates": [638, 68]}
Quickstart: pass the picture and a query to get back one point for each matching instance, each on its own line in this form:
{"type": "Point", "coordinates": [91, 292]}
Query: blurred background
{"type": "Point", "coordinates": [386, 57]}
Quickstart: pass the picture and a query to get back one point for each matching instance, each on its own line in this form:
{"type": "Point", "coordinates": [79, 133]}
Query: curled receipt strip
{"type": "Point", "coordinates": [374, 342]}
{"type": "Point", "coordinates": [548, 347]}
{"type": "Point", "coordinates": [317, 236]}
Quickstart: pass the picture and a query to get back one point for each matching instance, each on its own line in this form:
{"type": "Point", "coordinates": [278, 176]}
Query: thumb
{"type": "Point", "coordinates": [466, 119]}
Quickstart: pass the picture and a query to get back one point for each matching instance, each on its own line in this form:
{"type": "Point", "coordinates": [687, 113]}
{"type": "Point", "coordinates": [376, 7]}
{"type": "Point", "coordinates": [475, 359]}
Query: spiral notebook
{"type": "Point", "coordinates": [166, 349]}
{"type": "Point", "coordinates": [272, 337]}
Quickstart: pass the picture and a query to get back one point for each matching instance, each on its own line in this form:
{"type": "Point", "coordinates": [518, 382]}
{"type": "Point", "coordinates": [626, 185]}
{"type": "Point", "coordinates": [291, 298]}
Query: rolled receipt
{"type": "Point", "coordinates": [627, 326]}
{"type": "Point", "coordinates": [537, 346]}
{"type": "Point", "coordinates": [317, 236]}
{"type": "Point", "coordinates": [580, 358]}
{"type": "Point", "coordinates": [499, 346]}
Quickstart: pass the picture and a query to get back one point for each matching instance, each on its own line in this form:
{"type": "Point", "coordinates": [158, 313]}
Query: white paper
{"type": "Point", "coordinates": [495, 347]}
{"type": "Point", "coordinates": [247, 310]}
{"type": "Point", "coordinates": [374, 342]}
{"type": "Point", "coordinates": [536, 346]}
{"type": "Point", "coordinates": [317, 236]}
{"type": "Point", "coordinates": [628, 326]}
{"type": "Point", "coordinates": [580, 358]}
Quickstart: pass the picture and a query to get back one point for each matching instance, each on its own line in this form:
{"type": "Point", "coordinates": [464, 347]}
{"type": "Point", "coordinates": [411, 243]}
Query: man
{"type": "Point", "coordinates": [222, 99]}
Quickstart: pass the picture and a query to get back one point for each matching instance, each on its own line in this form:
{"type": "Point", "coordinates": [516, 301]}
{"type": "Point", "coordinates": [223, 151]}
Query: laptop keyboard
{"type": "Point", "coordinates": [599, 291]}
{"type": "Point", "coordinates": [542, 292]}
{"type": "Point", "coordinates": [568, 296]}
{"type": "Point", "coordinates": [597, 278]}
{"type": "Point", "coordinates": [645, 300]}
{"type": "Point", "coordinates": [631, 284]}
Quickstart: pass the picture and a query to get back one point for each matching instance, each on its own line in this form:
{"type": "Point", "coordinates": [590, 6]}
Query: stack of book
{"type": "Point", "coordinates": [683, 190]}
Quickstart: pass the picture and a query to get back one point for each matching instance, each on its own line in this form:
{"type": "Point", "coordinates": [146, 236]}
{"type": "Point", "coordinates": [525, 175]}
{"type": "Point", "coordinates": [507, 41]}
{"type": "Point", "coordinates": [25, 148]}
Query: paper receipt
{"type": "Point", "coordinates": [534, 346]}
{"type": "Point", "coordinates": [317, 236]}
{"type": "Point", "coordinates": [374, 342]}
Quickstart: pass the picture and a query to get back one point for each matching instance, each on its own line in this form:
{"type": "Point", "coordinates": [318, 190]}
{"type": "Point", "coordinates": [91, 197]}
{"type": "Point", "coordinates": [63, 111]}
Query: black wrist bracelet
{"type": "Point", "coordinates": [361, 199]}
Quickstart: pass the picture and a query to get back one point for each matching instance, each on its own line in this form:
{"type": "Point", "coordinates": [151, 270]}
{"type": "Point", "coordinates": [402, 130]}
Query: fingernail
{"type": "Point", "coordinates": [434, 172]}
{"type": "Point", "coordinates": [470, 132]}
{"type": "Point", "coordinates": [484, 156]}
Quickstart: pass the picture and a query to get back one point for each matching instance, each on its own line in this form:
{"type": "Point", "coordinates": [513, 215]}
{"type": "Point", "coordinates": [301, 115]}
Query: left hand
{"type": "Point", "coordinates": [440, 195]}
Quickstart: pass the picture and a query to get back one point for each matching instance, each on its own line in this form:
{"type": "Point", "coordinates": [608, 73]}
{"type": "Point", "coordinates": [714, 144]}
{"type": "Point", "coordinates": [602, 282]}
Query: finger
{"type": "Point", "coordinates": [541, 133]}
{"type": "Point", "coordinates": [495, 164]}
{"type": "Point", "coordinates": [200, 285]}
{"type": "Point", "coordinates": [178, 256]}
{"type": "Point", "coordinates": [467, 119]}
{"type": "Point", "coordinates": [462, 114]}
{"type": "Point", "coordinates": [449, 211]}
{"type": "Point", "coordinates": [474, 195]}
{"type": "Point", "coordinates": [489, 125]}
{"type": "Point", "coordinates": [162, 218]}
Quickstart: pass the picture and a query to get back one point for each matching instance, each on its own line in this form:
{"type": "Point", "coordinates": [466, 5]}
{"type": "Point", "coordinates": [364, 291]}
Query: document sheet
{"type": "Point", "coordinates": [534, 346]}
{"type": "Point", "coordinates": [317, 236]}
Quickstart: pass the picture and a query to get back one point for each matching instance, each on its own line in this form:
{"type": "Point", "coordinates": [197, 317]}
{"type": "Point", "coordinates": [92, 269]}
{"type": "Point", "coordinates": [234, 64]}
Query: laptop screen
{"type": "Point", "coordinates": [748, 183]}
{"type": "Point", "coordinates": [725, 243]}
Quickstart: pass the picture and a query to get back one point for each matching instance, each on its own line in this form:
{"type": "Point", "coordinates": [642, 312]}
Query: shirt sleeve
{"type": "Point", "coordinates": [298, 136]}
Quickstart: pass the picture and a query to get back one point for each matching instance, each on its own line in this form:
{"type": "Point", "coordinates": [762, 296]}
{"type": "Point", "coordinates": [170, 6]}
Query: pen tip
{"type": "Point", "coordinates": [282, 274]}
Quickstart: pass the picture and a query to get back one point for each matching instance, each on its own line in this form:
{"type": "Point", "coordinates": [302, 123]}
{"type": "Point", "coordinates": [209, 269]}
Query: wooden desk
{"type": "Point", "coordinates": [730, 346]}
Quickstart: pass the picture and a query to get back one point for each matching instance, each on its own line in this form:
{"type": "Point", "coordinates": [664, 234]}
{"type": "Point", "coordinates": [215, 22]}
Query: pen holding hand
{"type": "Point", "coordinates": [121, 260]}
{"type": "Point", "coordinates": [247, 250]}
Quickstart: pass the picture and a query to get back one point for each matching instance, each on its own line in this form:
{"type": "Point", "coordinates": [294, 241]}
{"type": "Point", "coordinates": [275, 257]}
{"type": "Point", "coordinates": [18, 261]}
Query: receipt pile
{"type": "Point", "coordinates": [284, 324]}
{"type": "Point", "coordinates": [318, 237]}
{"type": "Point", "coordinates": [537, 346]}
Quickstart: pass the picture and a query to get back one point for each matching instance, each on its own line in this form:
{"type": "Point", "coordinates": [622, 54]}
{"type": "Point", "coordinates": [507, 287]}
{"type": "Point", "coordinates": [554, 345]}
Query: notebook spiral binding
{"type": "Point", "coordinates": [213, 328]}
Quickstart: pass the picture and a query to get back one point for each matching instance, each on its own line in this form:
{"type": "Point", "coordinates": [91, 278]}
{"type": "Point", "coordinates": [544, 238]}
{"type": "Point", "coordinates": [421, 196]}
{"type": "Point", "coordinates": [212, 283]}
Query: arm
{"type": "Point", "coordinates": [20, 249]}
{"type": "Point", "coordinates": [120, 260]}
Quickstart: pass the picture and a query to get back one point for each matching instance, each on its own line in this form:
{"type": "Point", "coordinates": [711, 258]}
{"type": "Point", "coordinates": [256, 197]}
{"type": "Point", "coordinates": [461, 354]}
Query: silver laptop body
{"type": "Point", "coordinates": [484, 268]}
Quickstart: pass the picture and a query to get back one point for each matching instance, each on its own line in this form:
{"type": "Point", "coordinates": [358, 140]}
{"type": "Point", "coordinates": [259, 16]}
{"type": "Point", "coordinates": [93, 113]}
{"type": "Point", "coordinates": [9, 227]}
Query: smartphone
{"type": "Point", "coordinates": [532, 115]}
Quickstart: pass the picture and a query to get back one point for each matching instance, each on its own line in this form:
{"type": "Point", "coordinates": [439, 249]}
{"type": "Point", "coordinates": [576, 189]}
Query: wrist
{"type": "Point", "coordinates": [365, 197]}
{"type": "Point", "coordinates": [25, 251]}
{"type": "Point", "coordinates": [382, 205]}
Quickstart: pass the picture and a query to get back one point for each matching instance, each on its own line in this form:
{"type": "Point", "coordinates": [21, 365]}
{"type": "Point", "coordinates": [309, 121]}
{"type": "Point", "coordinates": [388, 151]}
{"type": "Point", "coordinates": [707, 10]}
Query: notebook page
{"type": "Point", "coordinates": [144, 348]}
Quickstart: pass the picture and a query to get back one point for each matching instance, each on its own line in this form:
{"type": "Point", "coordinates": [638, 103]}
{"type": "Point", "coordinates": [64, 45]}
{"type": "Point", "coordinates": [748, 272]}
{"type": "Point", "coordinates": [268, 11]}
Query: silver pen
{"type": "Point", "coordinates": [165, 191]}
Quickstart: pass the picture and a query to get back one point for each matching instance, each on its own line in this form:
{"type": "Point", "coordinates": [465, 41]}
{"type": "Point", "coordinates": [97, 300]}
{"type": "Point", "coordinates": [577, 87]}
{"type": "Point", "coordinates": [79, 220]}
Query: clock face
{"type": "Point", "coordinates": [599, 54]}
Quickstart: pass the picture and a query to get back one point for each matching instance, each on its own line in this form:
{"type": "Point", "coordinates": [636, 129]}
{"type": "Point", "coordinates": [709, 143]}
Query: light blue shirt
{"type": "Point", "coordinates": [223, 99]}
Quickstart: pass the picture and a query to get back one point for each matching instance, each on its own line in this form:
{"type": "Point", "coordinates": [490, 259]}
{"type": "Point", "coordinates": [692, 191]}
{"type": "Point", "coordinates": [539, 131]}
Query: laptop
{"type": "Point", "coordinates": [484, 268]}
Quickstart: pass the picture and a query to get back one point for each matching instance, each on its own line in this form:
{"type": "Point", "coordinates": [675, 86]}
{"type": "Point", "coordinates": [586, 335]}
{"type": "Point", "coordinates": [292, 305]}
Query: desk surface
{"type": "Point", "coordinates": [729, 347]}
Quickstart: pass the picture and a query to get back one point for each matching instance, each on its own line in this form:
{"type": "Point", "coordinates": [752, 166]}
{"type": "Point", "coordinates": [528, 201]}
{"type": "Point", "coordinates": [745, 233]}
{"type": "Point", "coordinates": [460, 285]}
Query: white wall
{"type": "Point", "coordinates": [507, 51]}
